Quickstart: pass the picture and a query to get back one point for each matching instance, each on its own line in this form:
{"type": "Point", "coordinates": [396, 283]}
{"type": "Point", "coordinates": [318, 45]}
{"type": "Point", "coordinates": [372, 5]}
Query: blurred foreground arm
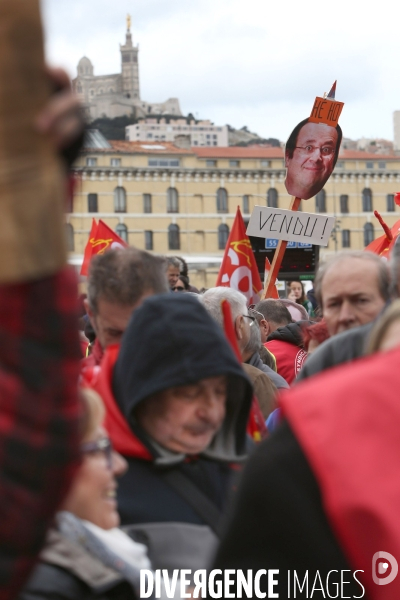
{"type": "Point", "coordinates": [39, 346]}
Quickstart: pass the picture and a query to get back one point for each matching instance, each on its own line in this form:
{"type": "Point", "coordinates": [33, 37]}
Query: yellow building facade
{"type": "Point", "coordinates": [182, 201]}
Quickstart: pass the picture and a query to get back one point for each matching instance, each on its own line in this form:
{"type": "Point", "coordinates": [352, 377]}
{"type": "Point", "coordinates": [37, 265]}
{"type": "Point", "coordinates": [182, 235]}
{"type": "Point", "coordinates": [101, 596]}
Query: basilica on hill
{"type": "Point", "coordinates": [118, 95]}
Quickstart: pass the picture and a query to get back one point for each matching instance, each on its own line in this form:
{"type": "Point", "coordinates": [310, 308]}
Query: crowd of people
{"type": "Point", "coordinates": [185, 437]}
{"type": "Point", "coordinates": [168, 395]}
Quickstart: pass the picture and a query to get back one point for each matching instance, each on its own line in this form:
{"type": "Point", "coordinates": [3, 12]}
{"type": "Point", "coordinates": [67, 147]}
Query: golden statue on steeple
{"type": "Point", "coordinates": [128, 22]}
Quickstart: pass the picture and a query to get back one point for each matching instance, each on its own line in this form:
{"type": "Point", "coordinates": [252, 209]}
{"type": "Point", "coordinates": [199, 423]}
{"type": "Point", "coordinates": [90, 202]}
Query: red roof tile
{"type": "Point", "coordinates": [237, 152]}
{"type": "Point", "coordinates": [360, 155]}
{"type": "Point", "coordinates": [229, 152]}
{"type": "Point", "coordinates": [147, 147]}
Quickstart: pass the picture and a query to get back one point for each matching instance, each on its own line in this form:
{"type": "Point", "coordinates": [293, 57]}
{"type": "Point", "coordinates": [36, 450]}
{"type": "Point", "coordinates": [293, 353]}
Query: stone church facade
{"type": "Point", "coordinates": [118, 95]}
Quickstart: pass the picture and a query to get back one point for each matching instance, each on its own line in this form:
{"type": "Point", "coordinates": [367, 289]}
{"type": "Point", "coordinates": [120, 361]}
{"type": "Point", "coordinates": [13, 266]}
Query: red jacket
{"type": "Point", "coordinates": [289, 358]}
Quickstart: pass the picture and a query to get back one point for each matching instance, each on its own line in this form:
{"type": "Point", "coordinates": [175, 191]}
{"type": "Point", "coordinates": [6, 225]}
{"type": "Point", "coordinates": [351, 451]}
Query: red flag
{"type": "Point", "coordinates": [383, 244]}
{"type": "Point", "coordinates": [256, 427]}
{"type": "Point", "coordinates": [239, 269]}
{"type": "Point", "coordinates": [101, 239]}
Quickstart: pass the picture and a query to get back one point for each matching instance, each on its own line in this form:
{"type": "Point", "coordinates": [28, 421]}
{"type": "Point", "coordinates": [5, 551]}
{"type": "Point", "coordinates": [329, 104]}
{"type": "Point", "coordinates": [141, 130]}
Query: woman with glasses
{"type": "Point", "coordinates": [86, 556]}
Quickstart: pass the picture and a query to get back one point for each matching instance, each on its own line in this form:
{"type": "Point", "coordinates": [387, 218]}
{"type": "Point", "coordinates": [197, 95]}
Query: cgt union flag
{"type": "Point", "coordinates": [101, 239]}
{"type": "Point", "coordinates": [238, 269]}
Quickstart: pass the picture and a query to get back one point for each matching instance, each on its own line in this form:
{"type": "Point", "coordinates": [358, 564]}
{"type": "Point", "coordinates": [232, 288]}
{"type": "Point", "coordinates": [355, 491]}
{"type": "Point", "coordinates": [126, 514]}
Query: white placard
{"type": "Point", "coordinates": [292, 226]}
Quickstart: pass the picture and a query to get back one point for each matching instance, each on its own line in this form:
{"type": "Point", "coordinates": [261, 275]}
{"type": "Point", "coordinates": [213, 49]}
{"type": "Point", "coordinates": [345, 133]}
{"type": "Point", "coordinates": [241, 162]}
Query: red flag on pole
{"type": "Point", "coordinates": [256, 427]}
{"type": "Point", "coordinates": [101, 239]}
{"type": "Point", "coordinates": [383, 244]}
{"type": "Point", "coordinates": [239, 269]}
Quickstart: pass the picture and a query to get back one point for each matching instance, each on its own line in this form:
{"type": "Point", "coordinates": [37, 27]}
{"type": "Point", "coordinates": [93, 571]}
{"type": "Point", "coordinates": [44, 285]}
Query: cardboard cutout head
{"type": "Point", "coordinates": [310, 156]}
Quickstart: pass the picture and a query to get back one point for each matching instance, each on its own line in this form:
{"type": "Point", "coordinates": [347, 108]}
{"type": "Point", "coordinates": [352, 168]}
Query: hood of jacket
{"type": "Point", "coordinates": [291, 333]}
{"type": "Point", "coordinates": [172, 341]}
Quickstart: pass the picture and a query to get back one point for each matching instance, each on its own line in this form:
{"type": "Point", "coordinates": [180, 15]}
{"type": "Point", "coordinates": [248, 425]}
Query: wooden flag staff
{"type": "Point", "coordinates": [278, 257]}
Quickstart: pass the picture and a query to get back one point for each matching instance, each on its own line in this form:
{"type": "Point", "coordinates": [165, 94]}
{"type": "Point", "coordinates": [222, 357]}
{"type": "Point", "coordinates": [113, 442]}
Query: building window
{"type": "Point", "coordinates": [147, 208]}
{"type": "Point", "coordinates": [211, 163]}
{"type": "Point", "coordinates": [122, 231]}
{"type": "Point", "coordinates": [234, 163]}
{"type": "Point", "coordinates": [115, 162]}
{"type": "Point", "coordinates": [272, 198]}
{"type": "Point", "coordinates": [367, 200]}
{"type": "Point", "coordinates": [172, 200]}
{"type": "Point", "coordinates": [92, 203]}
{"type": "Point", "coordinates": [222, 200]}
{"type": "Point", "coordinates": [265, 163]}
{"type": "Point", "coordinates": [320, 202]}
{"type": "Point", "coordinates": [162, 162]}
{"type": "Point", "coordinates": [381, 165]}
{"type": "Point", "coordinates": [246, 204]}
{"type": "Point", "coordinates": [369, 165]}
{"type": "Point", "coordinates": [148, 240]}
{"type": "Point", "coordinates": [345, 238]}
{"type": "Point", "coordinates": [344, 204]}
{"type": "Point", "coordinates": [368, 233]}
{"type": "Point", "coordinates": [91, 162]}
{"type": "Point", "coordinates": [223, 234]}
{"type": "Point", "coordinates": [339, 164]}
{"type": "Point", "coordinates": [174, 241]}
{"type": "Point", "coordinates": [119, 199]}
{"type": "Point", "coordinates": [390, 203]}
{"type": "Point", "coordinates": [69, 234]}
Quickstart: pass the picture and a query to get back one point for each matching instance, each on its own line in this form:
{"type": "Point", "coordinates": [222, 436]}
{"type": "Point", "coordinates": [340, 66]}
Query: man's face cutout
{"type": "Point", "coordinates": [312, 160]}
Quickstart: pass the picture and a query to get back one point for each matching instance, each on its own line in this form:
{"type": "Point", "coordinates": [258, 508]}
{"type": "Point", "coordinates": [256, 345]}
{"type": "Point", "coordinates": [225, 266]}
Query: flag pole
{"type": "Point", "coordinates": [278, 257]}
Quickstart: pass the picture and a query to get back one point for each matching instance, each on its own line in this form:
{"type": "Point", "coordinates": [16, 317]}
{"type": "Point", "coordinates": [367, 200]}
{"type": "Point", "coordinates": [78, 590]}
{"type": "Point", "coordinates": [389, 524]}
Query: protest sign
{"type": "Point", "coordinates": [291, 226]}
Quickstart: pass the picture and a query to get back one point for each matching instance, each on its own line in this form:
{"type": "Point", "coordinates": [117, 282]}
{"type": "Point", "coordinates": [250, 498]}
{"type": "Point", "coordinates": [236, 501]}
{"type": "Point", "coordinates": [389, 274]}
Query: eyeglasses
{"type": "Point", "coordinates": [101, 445]}
{"type": "Point", "coordinates": [308, 150]}
{"type": "Point", "coordinates": [251, 318]}
{"type": "Point", "coordinates": [178, 288]}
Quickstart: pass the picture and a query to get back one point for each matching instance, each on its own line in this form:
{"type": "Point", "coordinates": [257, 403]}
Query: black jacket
{"type": "Point", "coordinates": [278, 507]}
{"type": "Point", "coordinates": [291, 333]}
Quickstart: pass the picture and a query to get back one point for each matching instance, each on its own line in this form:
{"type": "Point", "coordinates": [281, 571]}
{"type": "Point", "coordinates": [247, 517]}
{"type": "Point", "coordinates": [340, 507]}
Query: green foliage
{"type": "Point", "coordinates": [113, 129]}
{"type": "Point", "coordinates": [271, 141]}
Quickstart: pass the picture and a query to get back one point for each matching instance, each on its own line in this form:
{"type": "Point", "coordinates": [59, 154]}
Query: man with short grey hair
{"type": "Point", "coordinates": [212, 299]}
{"type": "Point", "coordinates": [352, 289]}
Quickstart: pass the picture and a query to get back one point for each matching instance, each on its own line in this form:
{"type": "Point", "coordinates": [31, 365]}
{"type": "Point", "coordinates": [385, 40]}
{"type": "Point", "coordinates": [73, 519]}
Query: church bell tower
{"type": "Point", "coordinates": [130, 65]}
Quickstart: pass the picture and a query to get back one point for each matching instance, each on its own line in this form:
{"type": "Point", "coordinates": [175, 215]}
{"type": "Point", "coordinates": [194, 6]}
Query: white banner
{"type": "Point", "coordinates": [292, 226]}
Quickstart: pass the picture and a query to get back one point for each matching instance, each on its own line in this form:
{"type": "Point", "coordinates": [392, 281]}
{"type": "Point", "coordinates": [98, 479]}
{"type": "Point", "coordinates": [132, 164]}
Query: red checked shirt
{"type": "Point", "coordinates": [39, 367]}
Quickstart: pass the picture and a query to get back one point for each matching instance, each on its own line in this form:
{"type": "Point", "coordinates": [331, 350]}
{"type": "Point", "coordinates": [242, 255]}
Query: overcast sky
{"type": "Point", "coordinates": [244, 62]}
